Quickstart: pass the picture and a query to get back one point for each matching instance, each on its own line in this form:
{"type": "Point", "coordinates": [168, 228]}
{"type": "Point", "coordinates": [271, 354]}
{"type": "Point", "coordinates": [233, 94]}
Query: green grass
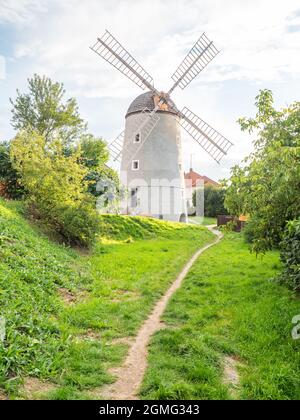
{"type": "Point", "coordinates": [227, 306]}
{"type": "Point", "coordinates": [204, 221]}
{"type": "Point", "coordinates": [116, 286]}
{"type": "Point", "coordinates": [125, 227]}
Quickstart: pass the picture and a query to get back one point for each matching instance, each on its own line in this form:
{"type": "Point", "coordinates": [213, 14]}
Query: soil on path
{"type": "Point", "coordinates": [130, 375]}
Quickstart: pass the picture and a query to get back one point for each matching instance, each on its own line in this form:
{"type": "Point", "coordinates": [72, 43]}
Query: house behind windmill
{"type": "Point", "coordinates": [194, 181]}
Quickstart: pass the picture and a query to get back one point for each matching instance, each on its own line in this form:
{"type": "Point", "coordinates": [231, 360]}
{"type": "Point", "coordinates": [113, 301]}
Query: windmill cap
{"type": "Point", "coordinates": [147, 100]}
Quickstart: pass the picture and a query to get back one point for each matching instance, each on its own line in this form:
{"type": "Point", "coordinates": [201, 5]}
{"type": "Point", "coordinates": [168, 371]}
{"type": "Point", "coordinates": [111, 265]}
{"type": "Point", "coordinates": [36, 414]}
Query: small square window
{"type": "Point", "coordinates": [135, 165]}
{"type": "Point", "coordinates": [137, 138]}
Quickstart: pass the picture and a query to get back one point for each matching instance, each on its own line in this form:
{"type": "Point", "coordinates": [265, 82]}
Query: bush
{"type": "Point", "coordinates": [80, 224]}
{"type": "Point", "coordinates": [250, 231]}
{"type": "Point", "coordinates": [265, 186]}
{"type": "Point", "coordinates": [214, 198]}
{"type": "Point", "coordinates": [10, 186]}
{"type": "Point", "coordinates": [57, 192]}
{"type": "Point", "coordinates": [290, 255]}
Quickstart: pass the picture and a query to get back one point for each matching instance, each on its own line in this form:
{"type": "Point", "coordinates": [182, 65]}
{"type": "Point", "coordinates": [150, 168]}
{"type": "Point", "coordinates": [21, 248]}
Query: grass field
{"type": "Point", "coordinates": [70, 315]}
{"type": "Point", "coordinates": [227, 307]}
{"type": "Point", "coordinates": [67, 312]}
{"type": "Point", "coordinates": [204, 221]}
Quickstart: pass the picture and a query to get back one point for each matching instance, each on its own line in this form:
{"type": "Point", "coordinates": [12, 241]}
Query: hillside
{"type": "Point", "coordinates": [50, 294]}
{"type": "Point", "coordinates": [124, 227]}
{"type": "Point", "coordinates": [32, 269]}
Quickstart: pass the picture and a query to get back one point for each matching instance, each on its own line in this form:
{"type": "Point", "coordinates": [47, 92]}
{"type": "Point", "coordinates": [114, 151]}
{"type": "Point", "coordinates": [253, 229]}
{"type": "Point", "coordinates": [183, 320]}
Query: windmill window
{"type": "Point", "coordinates": [137, 138]}
{"type": "Point", "coordinates": [135, 165]}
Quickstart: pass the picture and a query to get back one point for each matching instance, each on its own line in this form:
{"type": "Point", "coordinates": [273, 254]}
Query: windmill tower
{"type": "Point", "coordinates": [150, 150]}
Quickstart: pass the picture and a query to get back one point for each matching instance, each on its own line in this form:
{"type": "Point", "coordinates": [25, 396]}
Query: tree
{"type": "Point", "coordinates": [94, 152]}
{"type": "Point", "coordinates": [267, 185]}
{"type": "Point", "coordinates": [45, 111]}
{"type": "Point", "coordinates": [9, 179]}
{"type": "Point", "coordinates": [94, 156]}
{"type": "Point", "coordinates": [290, 256]}
{"type": "Point", "coordinates": [57, 192]}
{"type": "Point", "coordinates": [213, 201]}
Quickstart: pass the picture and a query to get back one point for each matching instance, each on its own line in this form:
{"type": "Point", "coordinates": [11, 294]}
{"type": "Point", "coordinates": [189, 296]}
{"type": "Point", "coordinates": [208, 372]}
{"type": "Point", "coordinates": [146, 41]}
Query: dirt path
{"type": "Point", "coordinates": [130, 375]}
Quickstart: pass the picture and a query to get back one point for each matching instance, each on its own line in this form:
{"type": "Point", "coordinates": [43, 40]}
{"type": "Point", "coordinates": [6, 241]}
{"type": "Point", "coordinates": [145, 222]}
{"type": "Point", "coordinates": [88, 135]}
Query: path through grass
{"type": "Point", "coordinates": [227, 306]}
{"type": "Point", "coordinates": [69, 315]}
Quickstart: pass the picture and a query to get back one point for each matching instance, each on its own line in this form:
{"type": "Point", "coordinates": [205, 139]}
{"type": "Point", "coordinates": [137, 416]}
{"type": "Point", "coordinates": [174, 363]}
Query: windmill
{"type": "Point", "coordinates": [149, 149]}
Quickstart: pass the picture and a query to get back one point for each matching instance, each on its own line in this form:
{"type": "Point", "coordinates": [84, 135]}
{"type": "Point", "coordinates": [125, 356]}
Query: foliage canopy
{"type": "Point", "coordinates": [44, 110]}
{"type": "Point", "coordinates": [213, 200]}
{"type": "Point", "coordinates": [9, 179]}
{"type": "Point", "coordinates": [57, 192]}
{"type": "Point", "coordinates": [266, 187]}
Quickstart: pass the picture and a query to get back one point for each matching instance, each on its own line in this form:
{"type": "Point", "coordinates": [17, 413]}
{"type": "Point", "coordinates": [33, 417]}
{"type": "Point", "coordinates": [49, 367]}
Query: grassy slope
{"type": "Point", "coordinates": [123, 277]}
{"type": "Point", "coordinates": [31, 270]}
{"type": "Point", "coordinates": [204, 221]}
{"type": "Point", "coordinates": [227, 306]}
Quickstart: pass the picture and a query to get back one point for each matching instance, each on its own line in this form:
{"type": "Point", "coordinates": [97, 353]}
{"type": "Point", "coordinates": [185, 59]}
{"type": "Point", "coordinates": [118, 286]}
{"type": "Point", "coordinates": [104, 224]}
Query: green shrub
{"type": "Point", "coordinates": [249, 231]}
{"type": "Point", "coordinates": [290, 255]}
{"type": "Point", "coordinates": [57, 192]}
{"type": "Point", "coordinates": [9, 178]}
{"type": "Point", "coordinates": [229, 227]}
{"type": "Point", "coordinates": [213, 200]}
{"type": "Point", "coordinates": [80, 224]}
{"type": "Point", "coordinates": [266, 185]}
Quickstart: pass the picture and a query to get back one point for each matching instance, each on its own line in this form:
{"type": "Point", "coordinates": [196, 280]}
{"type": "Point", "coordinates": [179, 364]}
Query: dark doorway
{"type": "Point", "coordinates": [183, 218]}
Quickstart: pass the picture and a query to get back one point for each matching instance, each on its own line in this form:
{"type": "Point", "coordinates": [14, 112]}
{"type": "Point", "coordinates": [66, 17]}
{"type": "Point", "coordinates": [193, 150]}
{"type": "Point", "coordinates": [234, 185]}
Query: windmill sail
{"type": "Point", "coordinates": [115, 54]}
{"type": "Point", "coordinates": [116, 146]}
{"type": "Point", "coordinates": [147, 122]}
{"type": "Point", "coordinates": [207, 137]}
{"type": "Point", "coordinates": [202, 53]}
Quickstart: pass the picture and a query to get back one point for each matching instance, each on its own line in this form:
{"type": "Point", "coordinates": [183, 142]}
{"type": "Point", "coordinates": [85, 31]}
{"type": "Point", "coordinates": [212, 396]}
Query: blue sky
{"type": "Point", "coordinates": [260, 42]}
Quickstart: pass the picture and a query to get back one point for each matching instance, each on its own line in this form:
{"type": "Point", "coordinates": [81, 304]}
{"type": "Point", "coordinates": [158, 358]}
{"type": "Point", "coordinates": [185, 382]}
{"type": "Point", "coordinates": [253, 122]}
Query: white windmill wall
{"type": "Point", "coordinates": [160, 178]}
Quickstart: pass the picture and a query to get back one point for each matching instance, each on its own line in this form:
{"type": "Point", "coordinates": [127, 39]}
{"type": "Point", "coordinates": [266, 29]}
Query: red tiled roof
{"type": "Point", "coordinates": [195, 177]}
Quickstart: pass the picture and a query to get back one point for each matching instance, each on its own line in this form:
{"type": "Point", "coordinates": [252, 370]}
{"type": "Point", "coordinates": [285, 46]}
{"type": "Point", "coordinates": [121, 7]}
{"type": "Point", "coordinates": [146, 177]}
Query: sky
{"type": "Point", "coordinates": [259, 42]}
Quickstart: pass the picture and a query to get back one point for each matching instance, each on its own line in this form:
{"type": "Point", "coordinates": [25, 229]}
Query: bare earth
{"type": "Point", "coordinates": [3, 396]}
{"type": "Point", "coordinates": [34, 388]}
{"type": "Point", "coordinates": [231, 375]}
{"type": "Point", "coordinates": [130, 375]}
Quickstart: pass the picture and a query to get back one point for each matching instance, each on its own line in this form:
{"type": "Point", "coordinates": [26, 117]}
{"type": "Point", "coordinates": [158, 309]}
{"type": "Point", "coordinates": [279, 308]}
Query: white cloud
{"type": "Point", "coordinates": [258, 48]}
{"type": "Point", "coordinates": [20, 11]}
{"type": "Point", "coordinates": [254, 35]}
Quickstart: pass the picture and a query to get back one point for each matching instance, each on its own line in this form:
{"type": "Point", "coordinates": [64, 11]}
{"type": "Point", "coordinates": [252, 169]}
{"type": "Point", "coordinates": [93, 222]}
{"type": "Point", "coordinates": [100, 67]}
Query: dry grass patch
{"type": "Point", "coordinates": [121, 295]}
{"type": "Point", "coordinates": [70, 298]}
{"type": "Point", "coordinates": [3, 396]}
{"type": "Point", "coordinates": [127, 341]}
{"type": "Point", "coordinates": [231, 376]}
{"type": "Point", "coordinates": [89, 335]}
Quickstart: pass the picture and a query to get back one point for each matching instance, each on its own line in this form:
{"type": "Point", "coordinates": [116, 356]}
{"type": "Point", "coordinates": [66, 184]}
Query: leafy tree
{"type": "Point", "coordinates": [45, 111]}
{"type": "Point", "coordinates": [57, 193]}
{"type": "Point", "coordinates": [267, 185]}
{"type": "Point", "coordinates": [213, 201]}
{"type": "Point", "coordinates": [290, 255]}
{"type": "Point", "coordinates": [94, 156]}
{"type": "Point", "coordinates": [94, 152]}
{"type": "Point", "coordinates": [9, 177]}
